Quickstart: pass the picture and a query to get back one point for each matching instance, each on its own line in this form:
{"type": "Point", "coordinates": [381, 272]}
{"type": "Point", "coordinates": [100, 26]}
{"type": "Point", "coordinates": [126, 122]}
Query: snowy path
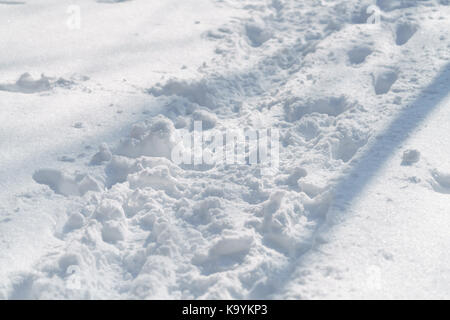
{"type": "Point", "coordinates": [94, 95]}
{"type": "Point", "coordinates": [347, 97]}
{"type": "Point", "coordinates": [390, 225]}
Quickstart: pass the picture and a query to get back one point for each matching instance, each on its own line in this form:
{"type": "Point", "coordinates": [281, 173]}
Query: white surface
{"type": "Point", "coordinates": [348, 98]}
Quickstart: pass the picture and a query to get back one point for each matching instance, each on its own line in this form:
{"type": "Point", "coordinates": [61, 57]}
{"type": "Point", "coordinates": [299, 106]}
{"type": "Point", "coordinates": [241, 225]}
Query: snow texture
{"type": "Point", "coordinates": [92, 205]}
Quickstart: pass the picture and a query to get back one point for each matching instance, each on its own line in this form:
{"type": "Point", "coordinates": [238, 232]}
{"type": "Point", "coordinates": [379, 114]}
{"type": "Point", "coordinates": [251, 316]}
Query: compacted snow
{"type": "Point", "coordinates": [97, 96]}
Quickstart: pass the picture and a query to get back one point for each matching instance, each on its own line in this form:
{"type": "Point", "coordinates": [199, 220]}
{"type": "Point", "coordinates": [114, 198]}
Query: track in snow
{"type": "Point", "coordinates": [139, 226]}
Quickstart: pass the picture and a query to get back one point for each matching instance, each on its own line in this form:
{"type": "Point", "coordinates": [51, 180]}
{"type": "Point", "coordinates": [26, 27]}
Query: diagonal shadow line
{"type": "Point", "coordinates": [364, 169]}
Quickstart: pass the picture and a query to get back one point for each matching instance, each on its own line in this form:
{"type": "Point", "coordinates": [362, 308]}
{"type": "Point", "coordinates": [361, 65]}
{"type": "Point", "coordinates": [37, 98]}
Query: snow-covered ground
{"type": "Point", "coordinates": [94, 95]}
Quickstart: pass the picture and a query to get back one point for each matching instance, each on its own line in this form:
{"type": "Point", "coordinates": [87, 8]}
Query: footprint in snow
{"type": "Point", "coordinates": [440, 181]}
{"type": "Point", "coordinates": [358, 55]}
{"type": "Point", "coordinates": [384, 80]}
{"type": "Point", "coordinates": [410, 157]}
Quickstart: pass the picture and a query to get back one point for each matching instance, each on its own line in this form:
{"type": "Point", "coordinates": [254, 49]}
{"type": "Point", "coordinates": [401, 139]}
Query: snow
{"type": "Point", "coordinates": [100, 198]}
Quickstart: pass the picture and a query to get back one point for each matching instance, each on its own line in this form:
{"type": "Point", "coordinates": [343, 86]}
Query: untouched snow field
{"type": "Point", "coordinates": [94, 96]}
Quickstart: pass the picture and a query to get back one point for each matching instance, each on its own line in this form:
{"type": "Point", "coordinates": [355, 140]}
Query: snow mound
{"type": "Point", "coordinates": [197, 92]}
{"type": "Point", "coordinates": [66, 185]}
{"type": "Point", "coordinates": [156, 140]}
{"type": "Point", "coordinates": [27, 84]}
